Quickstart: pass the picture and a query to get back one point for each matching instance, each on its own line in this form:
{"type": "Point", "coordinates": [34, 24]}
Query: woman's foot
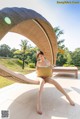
{"type": "Point", "coordinates": [39, 112]}
{"type": "Point", "coordinates": [70, 101]}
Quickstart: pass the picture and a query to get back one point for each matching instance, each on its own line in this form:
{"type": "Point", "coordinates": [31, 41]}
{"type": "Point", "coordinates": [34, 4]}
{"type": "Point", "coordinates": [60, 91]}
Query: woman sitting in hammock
{"type": "Point", "coordinates": [42, 62]}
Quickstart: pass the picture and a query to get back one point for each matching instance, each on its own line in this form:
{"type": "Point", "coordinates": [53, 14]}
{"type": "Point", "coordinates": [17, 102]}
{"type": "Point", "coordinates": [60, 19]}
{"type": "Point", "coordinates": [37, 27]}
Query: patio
{"type": "Point", "coordinates": [20, 99]}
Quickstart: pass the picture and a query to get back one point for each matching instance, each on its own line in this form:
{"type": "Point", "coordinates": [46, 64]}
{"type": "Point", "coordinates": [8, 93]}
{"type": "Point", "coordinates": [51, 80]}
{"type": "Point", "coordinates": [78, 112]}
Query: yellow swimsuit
{"type": "Point", "coordinates": [44, 71]}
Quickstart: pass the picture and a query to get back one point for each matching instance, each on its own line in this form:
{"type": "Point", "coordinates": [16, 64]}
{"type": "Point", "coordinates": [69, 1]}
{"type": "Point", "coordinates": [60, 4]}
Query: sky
{"type": "Point", "coordinates": [66, 16]}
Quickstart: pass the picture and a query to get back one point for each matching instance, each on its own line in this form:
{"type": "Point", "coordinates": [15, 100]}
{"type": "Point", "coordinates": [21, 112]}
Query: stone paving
{"type": "Point", "coordinates": [20, 100]}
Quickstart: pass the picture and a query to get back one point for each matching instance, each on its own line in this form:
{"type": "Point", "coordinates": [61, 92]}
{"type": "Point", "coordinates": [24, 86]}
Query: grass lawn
{"type": "Point", "coordinates": [12, 65]}
{"type": "Point", "coordinates": [5, 82]}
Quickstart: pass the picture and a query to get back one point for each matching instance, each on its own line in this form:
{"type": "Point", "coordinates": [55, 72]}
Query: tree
{"type": "Point", "coordinates": [24, 47]}
{"type": "Point", "coordinates": [32, 54]}
{"type": "Point", "coordinates": [12, 52]}
{"type": "Point", "coordinates": [29, 54]}
{"type": "Point", "coordinates": [76, 57]}
{"type": "Point", "coordinates": [67, 56]}
{"type": "Point", "coordinates": [60, 55]}
{"type": "Point", "coordinates": [5, 50]}
{"type": "Point", "coordinates": [58, 33]}
{"type": "Point", "coordinates": [24, 53]}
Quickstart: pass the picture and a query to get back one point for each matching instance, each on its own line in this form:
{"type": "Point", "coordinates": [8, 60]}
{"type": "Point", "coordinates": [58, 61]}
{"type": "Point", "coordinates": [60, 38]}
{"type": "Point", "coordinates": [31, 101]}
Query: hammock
{"type": "Point", "coordinates": [7, 73]}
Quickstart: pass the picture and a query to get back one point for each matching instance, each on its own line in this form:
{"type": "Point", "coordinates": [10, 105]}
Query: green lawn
{"type": "Point", "coordinates": [5, 82]}
{"type": "Point", "coordinates": [12, 65]}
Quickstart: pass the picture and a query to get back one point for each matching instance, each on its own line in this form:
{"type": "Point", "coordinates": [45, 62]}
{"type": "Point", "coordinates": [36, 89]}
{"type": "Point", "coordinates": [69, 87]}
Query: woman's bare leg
{"type": "Point", "coordinates": [39, 98]}
{"type": "Point", "coordinates": [51, 81]}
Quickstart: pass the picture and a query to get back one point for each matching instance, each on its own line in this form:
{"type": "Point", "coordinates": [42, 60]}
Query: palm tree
{"type": "Point", "coordinates": [58, 33]}
{"type": "Point", "coordinates": [61, 46]}
{"type": "Point", "coordinates": [24, 47]}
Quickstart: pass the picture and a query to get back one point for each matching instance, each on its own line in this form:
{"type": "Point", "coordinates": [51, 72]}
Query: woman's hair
{"type": "Point", "coordinates": [39, 53]}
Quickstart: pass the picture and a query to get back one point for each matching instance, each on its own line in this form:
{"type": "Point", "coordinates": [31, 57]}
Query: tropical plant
{"type": "Point", "coordinates": [60, 55]}
{"type": "Point", "coordinates": [76, 57]}
{"type": "Point", "coordinates": [5, 50]}
{"type": "Point", "coordinates": [58, 33]}
{"type": "Point", "coordinates": [24, 47]}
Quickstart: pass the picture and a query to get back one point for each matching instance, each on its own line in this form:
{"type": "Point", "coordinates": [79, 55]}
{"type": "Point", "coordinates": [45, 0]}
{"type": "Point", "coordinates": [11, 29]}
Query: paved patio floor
{"type": "Point", "coordinates": [20, 100]}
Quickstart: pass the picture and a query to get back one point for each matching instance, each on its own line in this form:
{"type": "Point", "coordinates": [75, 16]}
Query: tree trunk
{"type": "Point", "coordinates": [23, 64]}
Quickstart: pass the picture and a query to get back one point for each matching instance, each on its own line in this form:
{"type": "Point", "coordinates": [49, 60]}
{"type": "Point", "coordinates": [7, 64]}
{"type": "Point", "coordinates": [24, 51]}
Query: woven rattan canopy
{"type": "Point", "coordinates": [32, 25]}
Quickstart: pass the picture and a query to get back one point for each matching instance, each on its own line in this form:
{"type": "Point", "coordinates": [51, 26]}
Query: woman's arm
{"type": "Point", "coordinates": [49, 64]}
{"type": "Point", "coordinates": [37, 64]}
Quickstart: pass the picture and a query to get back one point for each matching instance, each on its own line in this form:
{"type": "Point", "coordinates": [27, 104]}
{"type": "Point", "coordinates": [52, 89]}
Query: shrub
{"type": "Point", "coordinates": [78, 68]}
{"type": "Point", "coordinates": [31, 65]}
{"type": "Point", "coordinates": [67, 65]}
{"type": "Point", "coordinates": [19, 62]}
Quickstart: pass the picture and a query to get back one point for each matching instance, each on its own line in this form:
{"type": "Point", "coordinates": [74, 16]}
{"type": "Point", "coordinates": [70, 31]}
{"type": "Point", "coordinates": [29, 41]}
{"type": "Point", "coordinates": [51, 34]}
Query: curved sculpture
{"type": "Point", "coordinates": [32, 25]}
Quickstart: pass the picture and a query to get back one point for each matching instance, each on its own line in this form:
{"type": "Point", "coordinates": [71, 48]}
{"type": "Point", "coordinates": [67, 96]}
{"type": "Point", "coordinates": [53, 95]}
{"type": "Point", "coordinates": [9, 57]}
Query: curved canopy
{"type": "Point", "coordinates": [32, 25]}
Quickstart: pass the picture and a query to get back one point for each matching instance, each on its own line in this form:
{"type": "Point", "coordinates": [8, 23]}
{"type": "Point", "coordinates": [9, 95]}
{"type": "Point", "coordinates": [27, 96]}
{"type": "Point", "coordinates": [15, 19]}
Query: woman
{"type": "Point", "coordinates": [44, 62]}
